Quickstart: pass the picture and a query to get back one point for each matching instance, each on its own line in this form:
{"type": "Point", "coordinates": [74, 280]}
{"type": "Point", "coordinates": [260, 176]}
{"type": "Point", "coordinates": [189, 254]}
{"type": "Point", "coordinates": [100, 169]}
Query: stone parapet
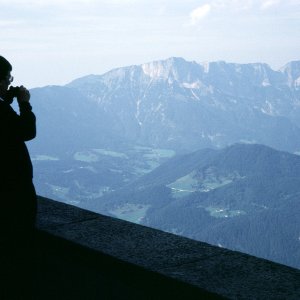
{"type": "Point", "coordinates": [84, 254]}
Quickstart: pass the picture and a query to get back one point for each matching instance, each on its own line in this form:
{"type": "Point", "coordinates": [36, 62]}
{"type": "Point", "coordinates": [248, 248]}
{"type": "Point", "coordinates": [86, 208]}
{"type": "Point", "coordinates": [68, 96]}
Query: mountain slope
{"type": "Point", "coordinates": [244, 197]}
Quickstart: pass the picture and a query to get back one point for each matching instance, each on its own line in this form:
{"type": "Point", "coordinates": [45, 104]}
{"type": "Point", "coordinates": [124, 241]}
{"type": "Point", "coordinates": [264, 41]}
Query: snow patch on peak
{"type": "Point", "coordinates": [269, 109]}
{"type": "Point", "coordinates": [205, 66]}
{"type": "Point", "coordinates": [266, 82]}
{"type": "Point", "coordinates": [155, 70]}
{"type": "Point", "coordinates": [192, 85]}
{"type": "Point", "coordinates": [163, 69]}
{"type": "Point", "coordinates": [261, 68]}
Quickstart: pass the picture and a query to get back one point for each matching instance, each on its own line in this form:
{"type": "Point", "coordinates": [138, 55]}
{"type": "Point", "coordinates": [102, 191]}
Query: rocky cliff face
{"type": "Point", "coordinates": [186, 105]}
{"type": "Point", "coordinates": [179, 104]}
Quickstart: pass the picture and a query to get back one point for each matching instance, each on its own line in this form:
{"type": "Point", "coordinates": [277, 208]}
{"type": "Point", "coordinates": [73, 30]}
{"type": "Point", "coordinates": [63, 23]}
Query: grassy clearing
{"type": "Point", "coordinates": [44, 158]}
{"type": "Point", "coordinates": [218, 212]}
{"type": "Point", "coordinates": [131, 212]}
{"type": "Point", "coordinates": [184, 186]}
{"type": "Point", "coordinates": [110, 153]}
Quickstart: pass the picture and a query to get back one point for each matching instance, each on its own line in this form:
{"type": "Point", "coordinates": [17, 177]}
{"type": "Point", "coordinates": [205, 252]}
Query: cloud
{"type": "Point", "coordinates": [269, 3]}
{"type": "Point", "coordinates": [199, 13]}
{"type": "Point", "coordinates": [236, 5]}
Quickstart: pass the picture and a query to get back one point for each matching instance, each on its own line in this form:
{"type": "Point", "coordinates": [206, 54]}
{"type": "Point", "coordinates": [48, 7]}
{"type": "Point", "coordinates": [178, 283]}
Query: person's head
{"type": "Point", "coordinates": [5, 76]}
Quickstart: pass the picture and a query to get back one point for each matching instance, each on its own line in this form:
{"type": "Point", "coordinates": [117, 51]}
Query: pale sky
{"type": "Point", "coordinates": [55, 41]}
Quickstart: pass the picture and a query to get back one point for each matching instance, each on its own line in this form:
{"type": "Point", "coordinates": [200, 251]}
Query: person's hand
{"type": "Point", "coordinates": [23, 95]}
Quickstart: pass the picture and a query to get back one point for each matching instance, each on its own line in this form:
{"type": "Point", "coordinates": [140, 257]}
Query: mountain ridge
{"type": "Point", "coordinates": [205, 66]}
{"type": "Point", "coordinates": [186, 106]}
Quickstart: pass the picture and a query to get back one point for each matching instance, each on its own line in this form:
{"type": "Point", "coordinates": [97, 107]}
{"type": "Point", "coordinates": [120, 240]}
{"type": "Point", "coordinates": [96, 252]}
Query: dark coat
{"type": "Point", "coordinates": [18, 203]}
{"type": "Point", "coordinates": [17, 194]}
{"type": "Point", "coordinates": [14, 131]}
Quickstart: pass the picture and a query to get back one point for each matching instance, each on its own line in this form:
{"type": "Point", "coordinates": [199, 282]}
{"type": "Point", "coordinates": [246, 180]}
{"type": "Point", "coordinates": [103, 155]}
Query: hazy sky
{"type": "Point", "coordinates": [56, 41]}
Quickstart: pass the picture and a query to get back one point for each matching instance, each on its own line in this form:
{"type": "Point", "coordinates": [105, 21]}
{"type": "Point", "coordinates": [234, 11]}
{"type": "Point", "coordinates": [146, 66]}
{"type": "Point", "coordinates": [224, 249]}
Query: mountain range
{"type": "Point", "coordinates": [174, 104]}
{"type": "Point", "coordinates": [205, 150]}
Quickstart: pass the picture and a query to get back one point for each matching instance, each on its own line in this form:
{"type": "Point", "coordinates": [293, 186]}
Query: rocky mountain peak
{"type": "Point", "coordinates": [292, 71]}
{"type": "Point", "coordinates": [173, 69]}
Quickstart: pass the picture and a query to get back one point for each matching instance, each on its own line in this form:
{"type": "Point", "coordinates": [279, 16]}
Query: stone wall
{"type": "Point", "coordinates": [84, 255]}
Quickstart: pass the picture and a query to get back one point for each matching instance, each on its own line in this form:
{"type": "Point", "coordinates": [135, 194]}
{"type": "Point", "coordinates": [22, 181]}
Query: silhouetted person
{"type": "Point", "coordinates": [18, 202]}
